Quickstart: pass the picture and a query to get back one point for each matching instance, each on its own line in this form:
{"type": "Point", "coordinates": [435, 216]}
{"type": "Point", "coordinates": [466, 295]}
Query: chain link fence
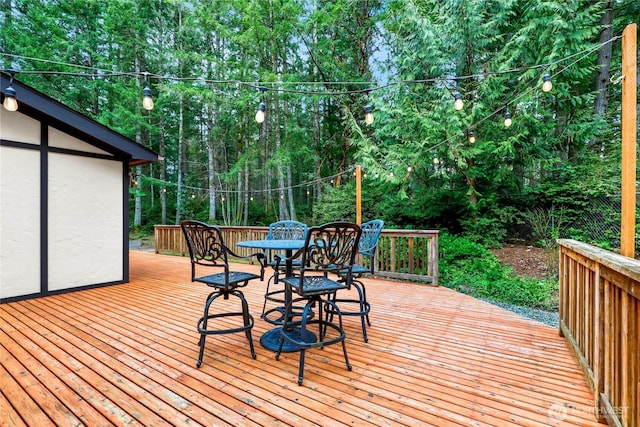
{"type": "Point", "coordinates": [596, 221]}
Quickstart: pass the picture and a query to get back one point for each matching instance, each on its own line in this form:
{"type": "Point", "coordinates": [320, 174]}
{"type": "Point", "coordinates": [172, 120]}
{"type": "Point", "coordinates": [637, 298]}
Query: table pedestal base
{"type": "Point", "coordinates": [271, 339]}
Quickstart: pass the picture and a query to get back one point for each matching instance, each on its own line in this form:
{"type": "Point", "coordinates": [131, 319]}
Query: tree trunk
{"type": "Point", "coordinates": [181, 159]}
{"type": "Point", "coordinates": [604, 59]}
{"type": "Point", "coordinates": [163, 172]}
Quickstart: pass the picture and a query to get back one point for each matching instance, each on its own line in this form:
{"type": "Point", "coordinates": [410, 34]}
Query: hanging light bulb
{"type": "Point", "coordinates": [409, 168]}
{"type": "Point", "coordinates": [260, 113]}
{"type": "Point", "coordinates": [391, 174]}
{"type": "Point", "coordinates": [147, 100]}
{"type": "Point", "coordinates": [546, 83]}
{"type": "Point", "coordinates": [507, 119]}
{"type": "Point", "coordinates": [435, 159]}
{"type": "Point", "coordinates": [472, 137]}
{"type": "Point", "coordinates": [10, 102]}
{"type": "Point", "coordinates": [458, 104]}
{"type": "Point", "coordinates": [368, 114]}
{"type": "Point", "coordinates": [251, 198]}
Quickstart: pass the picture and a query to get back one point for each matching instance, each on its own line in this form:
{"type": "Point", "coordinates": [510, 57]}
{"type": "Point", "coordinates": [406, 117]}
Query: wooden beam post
{"type": "Point", "coordinates": [358, 194]}
{"type": "Point", "coordinates": [629, 102]}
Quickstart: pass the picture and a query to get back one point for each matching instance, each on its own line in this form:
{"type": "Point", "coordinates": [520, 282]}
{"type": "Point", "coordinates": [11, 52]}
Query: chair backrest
{"type": "Point", "coordinates": [369, 240]}
{"type": "Point", "coordinates": [206, 245]}
{"type": "Point", "coordinates": [330, 247]}
{"type": "Point", "coordinates": [287, 230]}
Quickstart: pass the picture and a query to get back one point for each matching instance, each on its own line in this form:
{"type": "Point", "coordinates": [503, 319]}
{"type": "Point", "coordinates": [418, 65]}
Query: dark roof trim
{"type": "Point", "coordinates": [30, 100]}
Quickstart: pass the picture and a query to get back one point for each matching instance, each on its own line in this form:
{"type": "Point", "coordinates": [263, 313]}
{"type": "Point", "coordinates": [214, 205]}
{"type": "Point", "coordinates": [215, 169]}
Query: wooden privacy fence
{"type": "Point", "coordinates": [600, 319]}
{"type": "Point", "coordinates": [402, 254]}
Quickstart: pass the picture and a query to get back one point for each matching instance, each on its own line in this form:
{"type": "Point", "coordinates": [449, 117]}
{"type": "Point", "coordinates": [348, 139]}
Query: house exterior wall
{"type": "Point", "coordinates": [19, 127]}
{"type": "Point", "coordinates": [19, 222]}
{"type": "Point", "coordinates": [62, 211]}
{"type": "Point", "coordinates": [85, 221]}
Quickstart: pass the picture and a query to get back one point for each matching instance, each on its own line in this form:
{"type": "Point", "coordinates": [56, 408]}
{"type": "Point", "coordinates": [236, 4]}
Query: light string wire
{"type": "Point", "coordinates": [101, 73]}
{"type": "Point", "coordinates": [516, 95]}
{"type": "Point", "coordinates": [218, 188]}
{"type": "Point", "coordinates": [277, 86]}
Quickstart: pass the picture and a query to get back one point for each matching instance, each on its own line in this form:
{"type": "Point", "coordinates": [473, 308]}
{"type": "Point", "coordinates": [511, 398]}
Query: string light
{"type": "Point", "coordinates": [435, 159]}
{"type": "Point", "coordinates": [409, 168]}
{"type": "Point", "coordinates": [10, 102]}
{"type": "Point", "coordinates": [472, 137]}
{"type": "Point", "coordinates": [507, 119]}
{"type": "Point", "coordinates": [147, 100]}
{"type": "Point", "coordinates": [546, 83]}
{"type": "Point", "coordinates": [260, 114]}
{"type": "Point", "coordinates": [458, 104]}
{"type": "Point", "coordinates": [368, 114]}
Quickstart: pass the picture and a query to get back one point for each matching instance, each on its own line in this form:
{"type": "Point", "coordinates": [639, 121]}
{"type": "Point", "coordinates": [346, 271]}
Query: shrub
{"type": "Point", "coordinates": [469, 267]}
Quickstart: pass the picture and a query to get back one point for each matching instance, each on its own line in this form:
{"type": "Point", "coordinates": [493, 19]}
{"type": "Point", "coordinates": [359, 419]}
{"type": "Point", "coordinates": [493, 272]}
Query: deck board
{"type": "Point", "coordinates": [125, 354]}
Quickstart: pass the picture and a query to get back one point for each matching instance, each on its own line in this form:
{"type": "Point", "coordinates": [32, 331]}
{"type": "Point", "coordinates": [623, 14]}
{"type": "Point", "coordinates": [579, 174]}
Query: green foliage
{"type": "Point", "coordinates": [558, 155]}
{"type": "Point", "coordinates": [546, 225]}
{"type": "Point", "coordinates": [335, 204]}
{"type": "Point", "coordinates": [468, 267]}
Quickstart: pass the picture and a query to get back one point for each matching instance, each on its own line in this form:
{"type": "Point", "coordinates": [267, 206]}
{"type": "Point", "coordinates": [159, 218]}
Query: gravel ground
{"type": "Point", "coordinates": [549, 318]}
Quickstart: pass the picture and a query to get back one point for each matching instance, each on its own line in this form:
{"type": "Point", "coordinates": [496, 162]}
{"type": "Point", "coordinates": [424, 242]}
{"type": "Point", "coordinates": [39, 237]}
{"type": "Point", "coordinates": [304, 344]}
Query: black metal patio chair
{"type": "Point", "coordinates": [328, 248]}
{"type": "Point", "coordinates": [281, 230]}
{"type": "Point", "coordinates": [207, 249]}
{"type": "Point", "coordinates": [350, 304]}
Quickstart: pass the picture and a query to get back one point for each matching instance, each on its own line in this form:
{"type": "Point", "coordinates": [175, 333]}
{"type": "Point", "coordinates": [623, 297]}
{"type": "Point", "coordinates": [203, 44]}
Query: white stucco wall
{"type": "Point", "coordinates": [84, 212]}
{"type": "Point", "coordinates": [85, 221]}
{"type": "Point", "coordinates": [15, 126]}
{"type": "Point", "coordinates": [19, 221]}
{"type": "Point", "coordinates": [60, 139]}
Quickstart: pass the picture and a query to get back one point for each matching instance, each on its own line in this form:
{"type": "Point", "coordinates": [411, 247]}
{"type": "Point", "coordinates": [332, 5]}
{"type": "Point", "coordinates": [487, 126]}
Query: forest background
{"type": "Point", "coordinates": [316, 65]}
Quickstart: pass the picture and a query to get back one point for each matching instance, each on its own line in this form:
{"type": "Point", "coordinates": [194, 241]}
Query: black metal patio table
{"type": "Point", "coordinates": [271, 339]}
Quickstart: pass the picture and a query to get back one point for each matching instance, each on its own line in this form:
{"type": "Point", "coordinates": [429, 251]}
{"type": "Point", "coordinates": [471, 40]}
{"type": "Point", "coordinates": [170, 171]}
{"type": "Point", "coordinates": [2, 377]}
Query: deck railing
{"type": "Point", "coordinates": [600, 319]}
{"type": "Point", "coordinates": [402, 254]}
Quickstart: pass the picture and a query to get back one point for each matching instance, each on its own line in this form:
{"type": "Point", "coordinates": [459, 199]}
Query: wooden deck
{"type": "Point", "coordinates": [125, 355]}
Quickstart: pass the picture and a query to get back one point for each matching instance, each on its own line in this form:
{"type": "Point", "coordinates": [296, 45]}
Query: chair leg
{"type": "Point", "coordinates": [247, 321]}
{"type": "Point", "coordinates": [336, 310]}
{"type": "Point", "coordinates": [201, 354]}
{"type": "Point", "coordinates": [264, 304]}
{"type": "Point", "coordinates": [364, 299]}
{"type": "Point", "coordinates": [301, 367]}
{"type": "Point", "coordinates": [363, 309]}
{"type": "Point", "coordinates": [212, 296]}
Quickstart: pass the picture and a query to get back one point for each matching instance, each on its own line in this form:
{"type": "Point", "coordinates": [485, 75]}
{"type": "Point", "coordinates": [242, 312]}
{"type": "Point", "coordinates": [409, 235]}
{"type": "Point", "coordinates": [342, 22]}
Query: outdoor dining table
{"type": "Point", "coordinates": [271, 339]}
